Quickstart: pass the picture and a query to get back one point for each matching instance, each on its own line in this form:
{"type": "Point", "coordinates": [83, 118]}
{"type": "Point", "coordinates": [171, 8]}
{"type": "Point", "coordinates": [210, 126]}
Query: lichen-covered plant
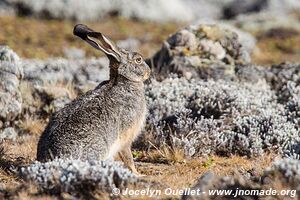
{"type": "Point", "coordinates": [11, 73]}
{"type": "Point", "coordinates": [222, 117]}
{"type": "Point", "coordinates": [78, 177]}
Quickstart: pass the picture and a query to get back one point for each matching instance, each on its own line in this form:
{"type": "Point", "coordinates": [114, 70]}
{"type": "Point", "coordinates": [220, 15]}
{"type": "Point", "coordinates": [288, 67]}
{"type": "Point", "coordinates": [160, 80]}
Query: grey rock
{"type": "Point", "coordinates": [200, 51]}
{"type": "Point", "coordinates": [247, 40]}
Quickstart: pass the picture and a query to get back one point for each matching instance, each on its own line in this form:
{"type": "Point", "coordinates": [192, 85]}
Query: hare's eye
{"type": "Point", "coordinates": [138, 60]}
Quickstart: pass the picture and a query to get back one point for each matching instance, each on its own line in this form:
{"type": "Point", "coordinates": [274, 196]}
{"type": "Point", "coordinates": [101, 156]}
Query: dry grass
{"type": "Point", "coordinates": [60, 89]}
{"type": "Point", "coordinates": [277, 45]}
{"type": "Point", "coordinates": [185, 174]}
{"type": "Point", "coordinates": [49, 38]}
{"type": "Point", "coordinates": [32, 126]}
{"type": "Point", "coordinates": [34, 38]}
{"type": "Point", "coordinates": [166, 154]}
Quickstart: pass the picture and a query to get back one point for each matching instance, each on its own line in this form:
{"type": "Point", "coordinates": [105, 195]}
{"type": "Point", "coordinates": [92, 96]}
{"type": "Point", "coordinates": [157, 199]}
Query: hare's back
{"type": "Point", "coordinates": [79, 128]}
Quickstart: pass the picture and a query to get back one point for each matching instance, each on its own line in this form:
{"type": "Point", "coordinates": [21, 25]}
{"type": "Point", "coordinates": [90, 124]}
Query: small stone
{"type": "Point", "coordinates": [203, 51]}
{"type": "Point", "coordinates": [213, 48]}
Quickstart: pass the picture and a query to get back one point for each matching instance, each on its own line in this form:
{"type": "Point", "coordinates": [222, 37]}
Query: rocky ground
{"type": "Point", "coordinates": [223, 98]}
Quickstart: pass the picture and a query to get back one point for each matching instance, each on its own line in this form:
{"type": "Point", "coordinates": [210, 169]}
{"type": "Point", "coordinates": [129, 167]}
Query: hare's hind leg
{"type": "Point", "coordinates": [126, 156]}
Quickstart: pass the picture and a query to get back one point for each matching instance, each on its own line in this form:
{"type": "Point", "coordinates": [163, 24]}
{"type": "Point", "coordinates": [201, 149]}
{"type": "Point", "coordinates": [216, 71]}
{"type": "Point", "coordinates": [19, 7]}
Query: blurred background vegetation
{"type": "Point", "coordinates": [42, 29]}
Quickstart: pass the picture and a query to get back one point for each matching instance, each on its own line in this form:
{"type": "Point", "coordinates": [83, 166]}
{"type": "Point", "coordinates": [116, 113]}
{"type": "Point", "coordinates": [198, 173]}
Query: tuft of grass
{"type": "Point", "coordinates": [32, 126]}
{"type": "Point", "coordinates": [181, 175]}
{"type": "Point", "coordinates": [166, 154]}
{"type": "Point", "coordinates": [59, 89]}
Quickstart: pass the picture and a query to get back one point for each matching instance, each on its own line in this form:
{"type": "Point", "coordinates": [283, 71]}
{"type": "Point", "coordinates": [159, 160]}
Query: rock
{"type": "Point", "coordinates": [11, 73]}
{"type": "Point", "coordinates": [183, 38]}
{"type": "Point", "coordinates": [213, 48]}
{"type": "Point", "coordinates": [247, 40]}
{"type": "Point", "coordinates": [201, 185]}
{"type": "Point", "coordinates": [8, 133]}
{"type": "Point", "coordinates": [201, 51]}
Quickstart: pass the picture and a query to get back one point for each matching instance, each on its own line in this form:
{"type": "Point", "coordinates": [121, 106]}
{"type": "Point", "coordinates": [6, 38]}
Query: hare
{"type": "Point", "coordinates": [105, 121]}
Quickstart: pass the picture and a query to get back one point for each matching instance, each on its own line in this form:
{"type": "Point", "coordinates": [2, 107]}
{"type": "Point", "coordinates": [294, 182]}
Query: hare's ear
{"type": "Point", "coordinates": [97, 40]}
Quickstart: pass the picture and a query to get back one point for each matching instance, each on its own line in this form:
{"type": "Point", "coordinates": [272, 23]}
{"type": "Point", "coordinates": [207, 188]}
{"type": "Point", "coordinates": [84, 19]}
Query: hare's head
{"type": "Point", "coordinates": [130, 65]}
